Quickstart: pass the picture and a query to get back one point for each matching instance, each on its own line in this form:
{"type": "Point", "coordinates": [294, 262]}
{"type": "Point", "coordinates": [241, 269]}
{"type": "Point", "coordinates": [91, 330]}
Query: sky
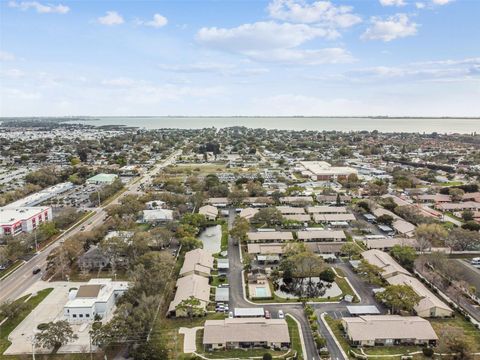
{"type": "Point", "coordinates": [227, 57]}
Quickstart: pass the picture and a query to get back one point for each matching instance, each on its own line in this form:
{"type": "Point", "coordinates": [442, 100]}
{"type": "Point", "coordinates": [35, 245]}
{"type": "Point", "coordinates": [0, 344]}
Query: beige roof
{"type": "Point", "coordinates": [326, 209]}
{"type": "Point", "coordinates": [88, 291]}
{"type": "Point", "coordinates": [471, 205]}
{"type": "Point", "coordinates": [324, 247]}
{"type": "Point", "coordinates": [197, 260]}
{"type": "Point", "coordinates": [387, 243]}
{"type": "Point", "coordinates": [191, 285]}
{"type": "Point", "coordinates": [333, 217]}
{"type": "Point", "coordinates": [381, 211]}
{"type": "Point", "coordinates": [404, 227]}
{"type": "Point", "coordinates": [221, 200]}
{"type": "Point", "coordinates": [246, 330]}
{"type": "Point", "coordinates": [428, 301]}
{"type": "Point", "coordinates": [208, 210]}
{"type": "Point", "coordinates": [270, 248]}
{"type": "Point", "coordinates": [373, 327]}
{"type": "Point", "coordinates": [298, 217]}
{"type": "Point", "coordinates": [384, 261]}
{"type": "Point", "coordinates": [248, 213]}
{"type": "Point", "coordinates": [295, 199]}
{"type": "Point", "coordinates": [290, 210]}
{"type": "Point", "coordinates": [435, 198]}
{"type": "Point", "coordinates": [270, 235]}
{"type": "Point", "coordinates": [320, 234]}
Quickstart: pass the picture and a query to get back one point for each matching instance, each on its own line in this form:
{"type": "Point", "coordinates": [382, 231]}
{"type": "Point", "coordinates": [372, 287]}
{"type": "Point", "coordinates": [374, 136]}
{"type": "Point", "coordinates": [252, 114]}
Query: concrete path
{"type": "Point", "coordinates": [189, 338]}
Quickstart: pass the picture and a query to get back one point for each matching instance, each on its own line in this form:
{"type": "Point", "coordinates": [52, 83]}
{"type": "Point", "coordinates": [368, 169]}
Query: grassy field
{"type": "Point", "coordinates": [11, 323]}
{"type": "Point", "coordinates": [471, 333]}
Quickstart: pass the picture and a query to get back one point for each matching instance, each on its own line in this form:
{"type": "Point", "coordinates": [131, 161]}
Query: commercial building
{"type": "Point", "coordinates": [14, 221]}
{"type": "Point", "coordinates": [102, 179]}
{"type": "Point", "coordinates": [388, 330]}
{"type": "Point", "coordinates": [323, 171]}
{"type": "Point", "coordinates": [41, 196]}
{"type": "Point", "coordinates": [241, 333]}
{"type": "Point", "coordinates": [97, 298]}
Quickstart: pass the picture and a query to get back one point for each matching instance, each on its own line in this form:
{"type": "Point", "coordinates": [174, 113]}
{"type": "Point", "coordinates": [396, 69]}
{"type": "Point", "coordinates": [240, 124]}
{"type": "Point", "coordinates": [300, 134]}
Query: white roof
{"type": "Point", "coordinates": [238, 312]}
{"type": "Point", "coordinates": [208, 210]}
{"type": "Point", "coordinates": [158, 214]}
{"type": "Point", "coordinates": [363, 309]}
{"type": "Point", "coordinates": [10, 216]}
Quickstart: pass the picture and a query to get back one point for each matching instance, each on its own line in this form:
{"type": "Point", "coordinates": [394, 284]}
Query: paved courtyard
{"type": "Point", "coordinates": [50, 309]}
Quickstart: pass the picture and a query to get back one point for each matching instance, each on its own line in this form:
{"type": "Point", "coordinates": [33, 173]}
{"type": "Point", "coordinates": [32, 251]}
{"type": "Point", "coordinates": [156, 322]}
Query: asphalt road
{"type": "Point", "coordinates": [14, 285]}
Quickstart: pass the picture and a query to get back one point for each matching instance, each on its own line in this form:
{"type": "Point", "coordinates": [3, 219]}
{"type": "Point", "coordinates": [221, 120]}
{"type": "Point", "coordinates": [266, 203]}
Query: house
{"type": "Point", "coordinates": [198, 261]}
{"type": "Point", "coordinates": [97, 298]}
{"type": "Point", "coordinates": [155, 204]}
{"type": "Point", "coordinates": [467, 205]}
{"type": "Point", "coordinates": [332, 199]}
{"type": "Point", "coordinates": [93, 258]}
{"type": "Point", "coordinates": [210, 212]}
{"type": "Point", "coordinates": [248, 213]}
{"type": "Point", "coordinates": [429, 305]}
{"type": "Point", "coordinates": [331, 218]}
{"type": "Point", "coordinates": [404, 228]}
{"type": "Point", "coordinates": [269, 236]}
{"type": "Point", "coordinates": [388, 330]}
{"type": "Point", "coordinates": [387, 243]}
{"type": "Point", "coordinates": [195, 286]}
{"type": "Point", "coordinates": [294, 213]}
{"type": "Point", "coordinates": [385, 262]}
{"type": "Point", "coordinates": [321, 235]}
{"type": "Point", "coordinates": [102, 179]}
{"type": "Point", "coordinates": [296, 200]}
{"type": "Point", "coordinates": [436, 198]}
{"type": "Point", "coordinates": [157, 216]}
{"type": "Point", "coordinates": [241, 333]}
{"type": "Point", "coordinates": [326, 209]}
{"type": "Point", "coordinates": [218, 202]}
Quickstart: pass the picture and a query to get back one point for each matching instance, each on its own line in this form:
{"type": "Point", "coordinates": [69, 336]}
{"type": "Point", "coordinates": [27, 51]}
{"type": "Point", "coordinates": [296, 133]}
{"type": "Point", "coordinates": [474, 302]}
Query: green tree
{"type": "Point", "coordinates": [328, 275]}
{"type": "Point", "coordinates": [55, 335]}
{"type": "Point", "coordinates": [267, 356]}
{"type": "Point", "coordinates": [239, 229]}
{"type": "Point", "coordinates": [190, 307]}
{"type": "Point", "coordinates": [371, 273]}
{"type": "Point", "coordinates": [399, 297]}
{"type": "Point", "coordinates": [350, 249]}
{"type": "Point", "coordinates": [268, 216]}
{"type": "Point", "coordinates": [405, 255]}
{"type": "Point", "coordinates": [11, 308]}
{"type": "Point", "coordinates": [190, 243]}
{"type": "Point", "coordinates": [430, 234]}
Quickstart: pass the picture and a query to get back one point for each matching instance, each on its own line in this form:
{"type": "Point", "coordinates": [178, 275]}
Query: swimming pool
{"type": "Point", "coordinates": [261, 292]}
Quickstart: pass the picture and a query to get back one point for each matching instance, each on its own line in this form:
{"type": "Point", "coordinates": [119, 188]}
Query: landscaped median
{"type": "Point", "coordinates": [27, 304]}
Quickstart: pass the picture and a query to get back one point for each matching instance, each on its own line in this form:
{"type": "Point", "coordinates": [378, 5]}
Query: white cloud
{"type": "Point", "coordinates": [319, 12]}
{"type": "Point", "coordinates": [215, 68]}
{"type": "Point", "coordinates": [111, 18]}
{"type": "Point", "coordinates": [158, 21]}
{"type": "Point", "coordinates": [441, 2]}
{"type": "Point", "coordinates": [6, 56]}
{"type": "Point", "coordinates": [420, 5]}
{"type": "Point", "coordinates": [303, 57]}
{"type": "Point", "coordinates": [40, 8]}
{"type": "Point", "coordinates": [391, 28]}
{"type": "Point", "coordinates": [119, 82]}
{"type": "Point", "coordinates": [12, 73]}
{"type": "Point", "coordinates": [261, 36]}
{"type": "Point", "coordinates": [392, 2]}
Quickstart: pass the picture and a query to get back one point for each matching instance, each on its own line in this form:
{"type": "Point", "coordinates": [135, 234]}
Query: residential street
{"type": "Point", "coordinates": [22, 278]}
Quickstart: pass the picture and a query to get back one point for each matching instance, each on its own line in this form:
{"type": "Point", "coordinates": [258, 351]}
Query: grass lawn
{"type": "Point", "coordinates": [8, 326]}
{"type": "Point", "coordinates": [224, 243]}
{"type": "Point", "coordinates": [10, 269]}
{"type": "Point", "coordinates": [76, 275]}
{"type": "Point", "coordinates": [294, 336]}
{"type": "Point", "coordinates": [471, 333]}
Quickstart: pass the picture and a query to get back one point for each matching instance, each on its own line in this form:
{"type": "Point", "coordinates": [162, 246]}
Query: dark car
{"type": "Point", "coordinates": [36, 270]}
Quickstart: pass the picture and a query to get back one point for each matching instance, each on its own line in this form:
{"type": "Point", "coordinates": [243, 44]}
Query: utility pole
{"type": "Point", "coordinates": [98, 193]}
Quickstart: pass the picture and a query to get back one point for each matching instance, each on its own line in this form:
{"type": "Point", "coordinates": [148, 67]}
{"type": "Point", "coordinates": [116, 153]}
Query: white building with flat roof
{"type": "Point", "coordinates": [97, 297]}
{"type": "Point", "coordinates": [14, 221]}
{"type": "Point", "coordinates": [321, 170]}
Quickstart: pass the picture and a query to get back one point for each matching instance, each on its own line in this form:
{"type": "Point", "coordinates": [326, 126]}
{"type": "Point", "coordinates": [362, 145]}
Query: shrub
{"type": "Point", "coordinates": [327, 275]}
{"type": "Point", "coordinates": [42, 326]}
{"type": "Point", "coordinates": [267, 356]}
{"type": "Point", "coordinates": [428, 352]}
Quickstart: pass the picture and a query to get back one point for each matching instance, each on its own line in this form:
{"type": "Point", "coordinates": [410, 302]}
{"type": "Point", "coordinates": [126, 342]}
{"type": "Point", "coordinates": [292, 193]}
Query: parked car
{"type": "Point", "coordinates": [281, 315]}
{"type": "Point", "coordinates": [230, 315]}
{"type": "Point", "coordinates": [267, 314]}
